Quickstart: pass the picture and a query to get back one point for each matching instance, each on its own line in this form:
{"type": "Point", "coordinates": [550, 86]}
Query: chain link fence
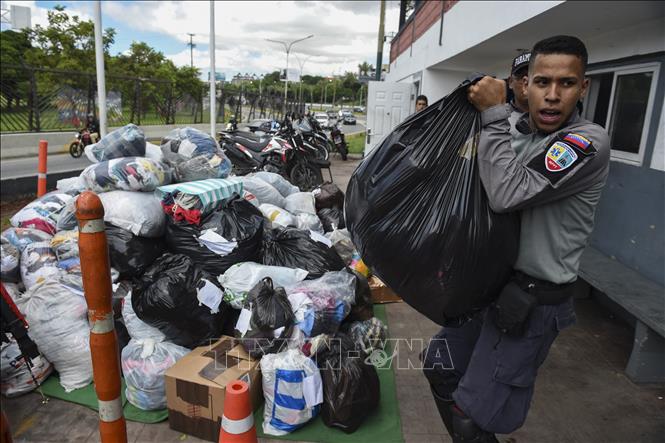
{"type": "Point", "coordinates": [38, 99]}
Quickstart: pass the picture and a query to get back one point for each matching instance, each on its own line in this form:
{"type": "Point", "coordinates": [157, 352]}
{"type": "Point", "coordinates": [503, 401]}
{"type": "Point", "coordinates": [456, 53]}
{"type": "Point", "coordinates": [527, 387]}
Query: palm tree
{"type": "Point", "coordinates": [364, 68]}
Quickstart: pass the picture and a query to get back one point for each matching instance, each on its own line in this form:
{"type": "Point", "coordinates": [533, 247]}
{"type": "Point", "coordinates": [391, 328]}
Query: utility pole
{"type": "Point", "coordinates": [379, 50]}
{"type": "Point", "coordinates": [191, 45]}
{"type": "Point", "coordinates": [99, 65]}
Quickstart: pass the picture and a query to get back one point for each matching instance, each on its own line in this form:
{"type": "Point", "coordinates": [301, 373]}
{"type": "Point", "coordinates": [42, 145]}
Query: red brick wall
{"type": "Point", "coordinates": [423, 19]}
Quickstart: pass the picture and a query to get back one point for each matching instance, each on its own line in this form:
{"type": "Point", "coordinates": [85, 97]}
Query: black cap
{"type": "Point", "coordinates": [520, 62]}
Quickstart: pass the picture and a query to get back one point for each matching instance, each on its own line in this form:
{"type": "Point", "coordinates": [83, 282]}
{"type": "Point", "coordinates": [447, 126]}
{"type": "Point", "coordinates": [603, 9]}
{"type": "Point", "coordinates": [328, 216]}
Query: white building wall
{"type": "Point", "coordinates": [437, 83]}
{"type": "Point", "coordinates": [465, 25]}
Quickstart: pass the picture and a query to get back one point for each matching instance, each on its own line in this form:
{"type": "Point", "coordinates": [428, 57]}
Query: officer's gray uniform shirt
{"type": "Point", "coordinates": [557, 206]}
{"type": "Point", "coordinates": [515, 115]}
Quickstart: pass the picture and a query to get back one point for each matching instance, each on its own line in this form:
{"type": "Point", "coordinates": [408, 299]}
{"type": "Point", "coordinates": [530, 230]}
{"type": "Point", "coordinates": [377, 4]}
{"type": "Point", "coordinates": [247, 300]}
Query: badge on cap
{"type": "Point", "coordinates": [559, 157]}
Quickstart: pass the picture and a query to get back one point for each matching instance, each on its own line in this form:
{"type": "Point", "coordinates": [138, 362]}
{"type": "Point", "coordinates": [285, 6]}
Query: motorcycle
{"type": "Point", "coordinates": [339, 141]}
{"type": "Point", "coordinates": [283, 152]}
{"type": "Point", "coordinates": [314, 135]}
{"type": "Point", "coordinates": [82, 139]}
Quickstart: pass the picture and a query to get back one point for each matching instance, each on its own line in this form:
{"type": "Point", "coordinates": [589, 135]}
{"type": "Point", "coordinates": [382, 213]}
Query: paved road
{"type": "Point", "coordinates": [21, 167]}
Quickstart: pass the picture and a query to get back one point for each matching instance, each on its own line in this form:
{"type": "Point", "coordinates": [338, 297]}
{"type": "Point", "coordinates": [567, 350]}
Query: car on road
{"type": "Point", "coordinates": [349, 119]}
{"type": "Point", "coordinates": [359, 109]}
{"type": "Point", "coordinates": [332, 115]}
{"type": "Point", "coordinates": [323, 119]}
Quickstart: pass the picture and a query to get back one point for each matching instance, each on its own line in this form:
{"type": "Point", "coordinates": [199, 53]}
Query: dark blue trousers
{"type": "Point", "coordinates": [489, 374]}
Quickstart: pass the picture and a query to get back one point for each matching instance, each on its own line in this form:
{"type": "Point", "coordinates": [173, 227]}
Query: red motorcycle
{"type": "Point", "coordinates": [82, 139]}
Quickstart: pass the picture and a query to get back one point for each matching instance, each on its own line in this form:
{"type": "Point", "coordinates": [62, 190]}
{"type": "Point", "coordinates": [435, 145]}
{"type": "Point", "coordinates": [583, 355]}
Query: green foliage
{"type": "Point", "coordinates": [356, 143]}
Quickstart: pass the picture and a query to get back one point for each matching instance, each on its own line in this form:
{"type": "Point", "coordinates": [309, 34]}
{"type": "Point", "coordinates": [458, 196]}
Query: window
{"type": "Point", "coordinates": [621, 100]}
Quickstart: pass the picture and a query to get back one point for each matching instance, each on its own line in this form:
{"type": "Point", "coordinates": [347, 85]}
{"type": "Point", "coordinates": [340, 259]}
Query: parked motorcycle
{"type": "Point", "coordinates": [284, 153]}
{"type": "Point", "coordinates": [82, 139]}
{"type": "Point", "coordinates": [339, 141]}
{"type": "Point", "coordinates": [315, 136]}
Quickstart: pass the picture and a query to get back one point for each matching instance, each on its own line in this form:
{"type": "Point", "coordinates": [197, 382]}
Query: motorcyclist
{"type": "Point", "coordinates": [92, 126]}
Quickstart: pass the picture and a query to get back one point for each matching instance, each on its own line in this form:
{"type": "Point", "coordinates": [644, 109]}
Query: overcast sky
{"type": "Point", "coordinates": [345, 32]}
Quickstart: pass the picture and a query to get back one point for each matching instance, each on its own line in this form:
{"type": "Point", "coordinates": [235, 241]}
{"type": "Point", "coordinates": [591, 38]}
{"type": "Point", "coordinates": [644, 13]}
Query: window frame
{"type": "Point", "coordinates": [635, 159]}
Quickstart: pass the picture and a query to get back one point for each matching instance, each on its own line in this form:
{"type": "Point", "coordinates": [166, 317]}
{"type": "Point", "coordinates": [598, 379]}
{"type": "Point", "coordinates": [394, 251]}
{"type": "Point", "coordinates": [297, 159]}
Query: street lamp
{"type": "Point", "coordinates": [287, 48]}
{"type": "Point", "coordinates": [302, 64]}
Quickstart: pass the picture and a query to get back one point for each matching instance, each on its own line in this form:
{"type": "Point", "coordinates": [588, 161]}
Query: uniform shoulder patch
{"type": "Point", "coordinates": [582, 144]}
{"type": "Point", "coordinates": [562, 156]}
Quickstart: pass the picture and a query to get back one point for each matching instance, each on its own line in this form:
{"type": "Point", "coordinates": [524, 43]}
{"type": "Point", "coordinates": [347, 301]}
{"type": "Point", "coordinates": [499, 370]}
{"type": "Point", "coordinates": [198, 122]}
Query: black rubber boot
{"type": "Point", "coordinates": [444, 404]}
{"type": "Point", "coordinates": [466, 431]}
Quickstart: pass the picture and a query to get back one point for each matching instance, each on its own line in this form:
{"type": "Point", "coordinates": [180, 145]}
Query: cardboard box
{"type": "Point", "coordinates": [382, 293]}
{"type": "Point", "coordinates": [196, 385]}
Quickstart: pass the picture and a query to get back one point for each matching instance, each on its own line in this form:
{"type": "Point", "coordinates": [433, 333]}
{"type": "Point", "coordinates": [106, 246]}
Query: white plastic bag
{"type": "Point", "coordinates": [277, 216]}
{"type": "Point", "coordinates": [140, 213]}
{"type": "Point", "coordinates": [14, 372]}
{"type": "Point", "coordinates": [239, 279]}
{"type": "Point", "coordinates": [341, 241]}
{"type": "Point", "coordinates": [22, 237]}
{"type": "Point", "coordinates": [300, 202]}
{"type": "Point", "coordinates": [137, 328]}
{"type": "Point", "coordinates": [70, 184]}
{"type": "Point", "coordinates": [264, 192]}
{"type": "Point", "coordinates": [42, 213]}
{"type": "Point", "coordinates": [309, 222]}
{"type": "Point", "coordinates": [277, 181]}
{"type": "Point", "coordinates": [153, 152]}
{"type": "Point", "coordinates": [144, 363]}
{"type": "Point", "coordinates": [38, 264]}
{"type": "Point", "coordinates": [9, 260]}
{"type": "Point", "coordinates": [289, 375]}
{"type": "Point", "coordinates": [58, 320]}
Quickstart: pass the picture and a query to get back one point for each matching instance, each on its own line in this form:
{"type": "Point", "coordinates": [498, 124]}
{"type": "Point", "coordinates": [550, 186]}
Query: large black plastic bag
{"type": "Point", "coordinates": [130, 255]}
{"type": "Point", "coordinates": [293, 248]}
{"type": "Point", "coordinates": [351, 389]}
{"type": "Point", "coordinates": [165, 297]}
{"type": "Point", "coordinates": [237, 220]}
{"type": "Point", "coordinates": [271, 318]}
{"type": "Point", "coordinates": [419, 215]}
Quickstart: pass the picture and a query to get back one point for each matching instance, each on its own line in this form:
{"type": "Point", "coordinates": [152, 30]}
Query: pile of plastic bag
{"type": "Point", "coordinates": [194, 155]}
{"type": "Point", "coordinates": [128, 141]}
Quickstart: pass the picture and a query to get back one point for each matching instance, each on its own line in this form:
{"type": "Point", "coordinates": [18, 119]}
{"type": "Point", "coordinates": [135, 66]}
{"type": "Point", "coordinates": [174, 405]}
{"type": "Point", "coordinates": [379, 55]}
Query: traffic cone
{"type": "Point", "coordinates": [238, 417]}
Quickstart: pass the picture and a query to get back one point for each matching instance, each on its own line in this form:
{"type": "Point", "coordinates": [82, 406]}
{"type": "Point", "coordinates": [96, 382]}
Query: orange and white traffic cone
{"type": "Point", "coordinates": [238, 418]}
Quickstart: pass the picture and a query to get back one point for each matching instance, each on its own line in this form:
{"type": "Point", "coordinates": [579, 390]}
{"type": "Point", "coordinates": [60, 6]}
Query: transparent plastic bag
{"type": "Point", "coordinates": [14, 372]}
{"type": "Point", "coordinates": [369, 335]}
{"type": "Point", "coordinates": [289, 375]}
{"type": "Point", "coordinates": [277, 216]}
{"type": "Point", "coordinates": [38, 264]}
{"type": "Point", "coordinates": [128, 174]}
{"type": "Point", "coordinates": [420, 218]}
{"type": "Point", "coordinates": [138, 212]}
{"type": "Point", "coordinates": [194, 155]}
{"type": "Point", "coordinates": [42, 213]}
{"type": "Point", "coordinates": [277, 181]}
{"type": "Point", "coordinates": [331, 296]}
{"type": "Point", "coordinates": [240, 278]}
{"type": "Point", "coordinates": [9, 262]}
{"type": "Point", "coordinates": [309, 222]}
{"type": "Point", "coordinates": [264, 192]}
{"type": "Point", "coordinates": [341, 240]}
{"type": "Point", "coordinates": [300, 202]}
{"type": "Point", "coordinates": [128, 141]}
{"type": "Point", "coordinates": [144, 363]}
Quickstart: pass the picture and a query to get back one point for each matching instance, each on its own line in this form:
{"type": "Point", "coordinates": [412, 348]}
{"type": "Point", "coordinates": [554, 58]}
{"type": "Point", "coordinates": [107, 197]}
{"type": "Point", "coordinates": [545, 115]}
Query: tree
{"type": "Point", "coordinates": [364, 68]}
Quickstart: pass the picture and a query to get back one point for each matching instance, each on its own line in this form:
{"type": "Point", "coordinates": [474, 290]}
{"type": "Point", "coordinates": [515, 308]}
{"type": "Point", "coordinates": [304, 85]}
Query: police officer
{"type": "Point", "coordinates": [482, 373]}
{"type": "Point", "coordinates": [519, 104]}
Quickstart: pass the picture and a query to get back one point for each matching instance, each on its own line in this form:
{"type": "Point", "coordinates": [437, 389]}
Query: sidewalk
{"type": "Point", "coordinates": [582, 393]}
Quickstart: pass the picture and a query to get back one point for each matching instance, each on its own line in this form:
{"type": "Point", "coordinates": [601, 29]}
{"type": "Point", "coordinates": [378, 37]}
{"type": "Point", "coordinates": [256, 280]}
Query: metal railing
{"type": "Point", "coordinates": [40, 99]}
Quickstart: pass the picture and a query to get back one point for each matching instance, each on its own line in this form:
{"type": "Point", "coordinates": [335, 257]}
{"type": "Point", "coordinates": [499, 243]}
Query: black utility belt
{"type": "Point", "coordinates": [545, 292]}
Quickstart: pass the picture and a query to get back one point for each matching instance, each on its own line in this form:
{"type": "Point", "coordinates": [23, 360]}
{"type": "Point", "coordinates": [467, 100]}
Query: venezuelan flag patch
{"type": "Point", "coordinates": [577, 140]}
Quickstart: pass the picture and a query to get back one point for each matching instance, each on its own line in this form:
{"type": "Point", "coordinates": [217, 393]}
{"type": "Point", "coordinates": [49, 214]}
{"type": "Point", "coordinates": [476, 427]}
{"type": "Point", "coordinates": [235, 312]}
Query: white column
{"type": "Point", "coordinates": [99, 62]}
{"type": "Point", "coordinates": [213, 92]}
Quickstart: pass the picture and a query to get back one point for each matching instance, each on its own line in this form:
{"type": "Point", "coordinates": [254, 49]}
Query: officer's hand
{"type": "Point", "coordinates": [486, 93]}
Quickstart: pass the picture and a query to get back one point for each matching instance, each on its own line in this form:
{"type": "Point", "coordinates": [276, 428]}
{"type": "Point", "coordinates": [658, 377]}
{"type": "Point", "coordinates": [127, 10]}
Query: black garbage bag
{"type": "Point", "coordinates": [419, 216]}
{"type": "Point", "coordinates": [294, 248]}
{"type": "Point", "coordinates": [351, 389]}
{"type": "Point", "coordinates": [236, 220]}
{"type": "Point", "coordinates": [271, 322]}
{"type": "Point", "coordinates": [328, 195]}
{"type": "Point", "coordinates": [130, 255]}
{"type": "Point", "coordinates": [165, 296]}
{"type": "Point", "coordinates": [363, 308]}
{"type": "Point", "coordinates": [331, 219]}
